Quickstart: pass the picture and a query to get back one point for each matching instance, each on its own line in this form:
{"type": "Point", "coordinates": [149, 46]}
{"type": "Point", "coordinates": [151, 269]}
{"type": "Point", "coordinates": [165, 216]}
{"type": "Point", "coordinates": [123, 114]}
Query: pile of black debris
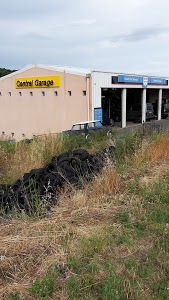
{"type": "Point", "coordinates": [43, 186]}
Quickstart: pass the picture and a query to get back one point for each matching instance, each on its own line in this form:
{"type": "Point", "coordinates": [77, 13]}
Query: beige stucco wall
{"type": "Point", "coordinates": [40, 114]}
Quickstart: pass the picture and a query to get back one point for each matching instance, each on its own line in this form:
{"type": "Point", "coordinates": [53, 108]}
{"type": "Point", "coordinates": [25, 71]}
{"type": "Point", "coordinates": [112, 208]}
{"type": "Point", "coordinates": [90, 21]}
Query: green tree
{"type": "Point", "coordinates": [4, 71]}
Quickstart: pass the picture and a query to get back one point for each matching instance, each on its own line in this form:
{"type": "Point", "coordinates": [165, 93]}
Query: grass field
{"type": "Point", "coordinates": [109, 241]}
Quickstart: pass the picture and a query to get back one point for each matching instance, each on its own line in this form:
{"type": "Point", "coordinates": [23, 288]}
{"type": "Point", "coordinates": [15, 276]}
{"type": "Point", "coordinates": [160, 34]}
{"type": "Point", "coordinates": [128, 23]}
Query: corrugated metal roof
{"type": "Point", "coordinates": [66, 69]}
{"type": "Point", "coordinates": [72, 70]}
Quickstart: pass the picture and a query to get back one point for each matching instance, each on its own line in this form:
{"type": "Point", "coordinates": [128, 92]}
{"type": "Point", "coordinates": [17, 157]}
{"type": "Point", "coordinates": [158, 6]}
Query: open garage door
{"type": "Point", "coordinates": [111, 106]}
{"type": "Point", "coordinates": [152, 97]}
{"type": "Point", "coordinates": [133, 105]}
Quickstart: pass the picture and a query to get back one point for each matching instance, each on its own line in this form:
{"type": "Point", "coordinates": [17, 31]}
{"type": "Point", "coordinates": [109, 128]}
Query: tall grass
{"type": "Point", "coordinates": [159, 150]}
{"type": "Point", "coordinates": [17, 159]}
{"type": "Point", "coordinates": [107, 241]}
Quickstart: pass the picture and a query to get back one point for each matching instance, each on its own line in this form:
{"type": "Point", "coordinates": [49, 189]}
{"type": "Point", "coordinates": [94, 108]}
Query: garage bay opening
{"type": "Point", "coordinates": [111, 106]}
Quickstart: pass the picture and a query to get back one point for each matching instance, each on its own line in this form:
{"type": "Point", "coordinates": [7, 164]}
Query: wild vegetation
{"type": "Point", "coordinates": [107, 241]}
{"type": "Point", "coordinates": [4, 71]}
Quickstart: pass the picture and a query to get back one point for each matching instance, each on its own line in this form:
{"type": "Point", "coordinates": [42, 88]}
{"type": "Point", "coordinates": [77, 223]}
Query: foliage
{"type": "Point", "coordinates": [4, 71]}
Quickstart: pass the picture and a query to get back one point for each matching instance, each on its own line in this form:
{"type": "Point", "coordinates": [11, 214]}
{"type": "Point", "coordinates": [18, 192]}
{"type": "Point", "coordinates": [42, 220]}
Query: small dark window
{"type": "Point", "coordinates": [43, 93]}
{"type": "Point", "coordinates": [69, 93]}
{"type": "Point", "coordinates": [56, 93]}
{"type": "Point", "coordinates": [31, 93]}
{"type": "Point", "coordinates": [0, 94]}
{"type": "Point", "coordinates": [114, 79]}
{"type": "Point", "coordinates": [9, 93]}
{"type": "Point", "coordinates": [84, 93]}
{"type": "Point", "coordinates": [20, 94]}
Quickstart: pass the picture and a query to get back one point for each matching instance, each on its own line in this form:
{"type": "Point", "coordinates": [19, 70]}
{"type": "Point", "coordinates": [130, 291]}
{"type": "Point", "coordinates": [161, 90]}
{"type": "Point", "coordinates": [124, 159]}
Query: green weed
{"type": "Point", "coordinates": [126, 147]}
{"type": "Point", "coordinates": [93, 268]}
{"type": "Point", "coordinates": [13, 296]}
{"type": "Point", "coordinates": [123, 218]}
{"type": "Point", "coordinates": [160, 288]}
{"type": "Point", "coordinates": [112, 288]}
{"type": "Point", "coordinates": [42, 288]}
{"type": "Point", "coordinates": [72, 287]}
{"type": "Point", "coordinates": [123, 240]}
{"type": "Point", "coordinates": [92, 245]}
{"type": "Point", "coordinates": [74, 263]}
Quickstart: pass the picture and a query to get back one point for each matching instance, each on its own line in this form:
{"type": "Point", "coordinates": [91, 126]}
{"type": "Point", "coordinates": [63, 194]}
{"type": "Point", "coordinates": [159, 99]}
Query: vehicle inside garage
{"type": "Point", "coordinates": [152, 97]}
{"type": "Point", "coordinates": [111, 105]}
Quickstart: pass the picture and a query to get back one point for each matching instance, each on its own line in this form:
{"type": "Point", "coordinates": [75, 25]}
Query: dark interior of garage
{"type": "Point", "coordinates": [111, 104]}
{"type": "Point", "coordinates": [152, 97]}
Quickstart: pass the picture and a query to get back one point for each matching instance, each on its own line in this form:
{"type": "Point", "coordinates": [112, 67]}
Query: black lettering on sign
{"type": "Point", "coordinates": [36, 82]}
{"type": "Point", "coordinates": [18, 83]}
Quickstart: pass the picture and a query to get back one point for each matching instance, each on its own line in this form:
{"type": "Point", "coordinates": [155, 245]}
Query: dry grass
{"type": "Point", "coordinates": [105, 184]}
{"type": "Point", "coordinates": [159, 150]}
{"type": "Point", "coordinates": [28, 247]}
{"type": "Point", "coordinates": [15, 160]}
{"type": "Point", "coordinates": [25, 157]}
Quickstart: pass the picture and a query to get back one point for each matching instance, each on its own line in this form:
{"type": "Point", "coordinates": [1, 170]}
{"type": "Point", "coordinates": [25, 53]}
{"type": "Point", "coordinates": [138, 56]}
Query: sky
{"type": "Point", "coordinates": [121, 36]}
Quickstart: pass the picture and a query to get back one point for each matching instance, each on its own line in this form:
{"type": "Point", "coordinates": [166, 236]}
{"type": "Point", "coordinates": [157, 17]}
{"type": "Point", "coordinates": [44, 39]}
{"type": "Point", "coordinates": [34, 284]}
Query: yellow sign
{"type": "Point", "coordinates": [37, 82]}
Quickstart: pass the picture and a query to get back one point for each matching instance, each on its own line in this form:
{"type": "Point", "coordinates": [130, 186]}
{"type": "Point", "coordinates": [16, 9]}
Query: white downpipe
{"type": "Point", "coordinates": [123, 107]}
{"type": "Point", "coordinates": [88, 97]}
{"type": "Point", "coordinates": [159, 103]}
{"type": "Point", "coordinates": [143, 102]}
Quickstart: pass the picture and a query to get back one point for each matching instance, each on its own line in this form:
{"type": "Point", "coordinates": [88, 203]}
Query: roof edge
{"type": "Point", "coordinates": [28, 67]}
{"type": "Point", "coordinates": [62, 69]}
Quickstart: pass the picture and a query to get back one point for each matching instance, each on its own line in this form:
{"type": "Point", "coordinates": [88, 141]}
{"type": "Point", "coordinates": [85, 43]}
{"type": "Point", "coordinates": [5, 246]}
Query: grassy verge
{"type": "Point", "coordinates": [107, 242]}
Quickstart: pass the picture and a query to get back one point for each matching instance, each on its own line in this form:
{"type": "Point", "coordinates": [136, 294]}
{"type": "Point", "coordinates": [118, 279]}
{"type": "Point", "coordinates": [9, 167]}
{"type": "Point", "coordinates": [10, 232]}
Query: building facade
{"type": "Point", "coordinates": [40, 100]}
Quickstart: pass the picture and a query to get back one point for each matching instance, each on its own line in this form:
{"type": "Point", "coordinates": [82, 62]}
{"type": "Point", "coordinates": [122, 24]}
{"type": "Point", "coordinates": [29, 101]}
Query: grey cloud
{"type": "Point", "coordinates": [65, 32]}
{"type": "Point", "coordinates": [141, 34]}
{"type": "Point", "coordinates": [29, 9]}
{"type": "Point", "coordinates": [83, 22]}
{"type": "Point", "coordinates": [36, 36]}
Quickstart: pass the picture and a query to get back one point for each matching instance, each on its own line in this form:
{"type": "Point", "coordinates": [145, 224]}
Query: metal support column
{"type": "Point", "coordinates": [143, 102]}
{"type": "Point", "coordinates": [159, 104]}
{"type": "Point", "coordinates": [123, 107]}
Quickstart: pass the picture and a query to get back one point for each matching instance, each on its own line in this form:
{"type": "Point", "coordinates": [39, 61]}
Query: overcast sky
{"type": "Point", "coordinates": [121, 36]}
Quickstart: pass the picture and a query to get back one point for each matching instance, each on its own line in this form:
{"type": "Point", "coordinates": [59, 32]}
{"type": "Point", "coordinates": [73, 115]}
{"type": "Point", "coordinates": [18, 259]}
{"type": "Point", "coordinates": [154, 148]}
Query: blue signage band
{"type": "Point", "coordinates": [141, 80]}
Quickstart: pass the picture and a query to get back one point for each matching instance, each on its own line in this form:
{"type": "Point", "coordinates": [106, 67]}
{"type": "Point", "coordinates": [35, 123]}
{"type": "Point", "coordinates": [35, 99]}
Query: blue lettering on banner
{"type": "Point", "coordinates": [155, 80]}
{"type": "Point", "coordinates": [98, 115]}
{"type": "Point", "coordinates": [130, 79]}
{"type": "Point", "coordinates": [144, 80]}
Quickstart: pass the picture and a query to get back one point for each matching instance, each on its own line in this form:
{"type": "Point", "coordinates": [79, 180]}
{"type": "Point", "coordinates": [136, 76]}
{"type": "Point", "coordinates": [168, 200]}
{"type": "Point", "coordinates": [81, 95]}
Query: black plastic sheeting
{"type": "Point", "coordinates": [40, 188]}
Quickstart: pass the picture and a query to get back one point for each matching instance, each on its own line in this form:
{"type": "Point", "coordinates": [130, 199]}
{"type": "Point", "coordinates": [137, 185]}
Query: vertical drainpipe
{"type": "Point", "coordinates": [159, 103]}
{"type": "Point", "coordinates": [64, 90]}
{"type": "Point", "coordinates": [143, 102]}
{"type": "Point", "coordinates": [123, 107]}
{"type": "Point", "coordinates": [88, 95]}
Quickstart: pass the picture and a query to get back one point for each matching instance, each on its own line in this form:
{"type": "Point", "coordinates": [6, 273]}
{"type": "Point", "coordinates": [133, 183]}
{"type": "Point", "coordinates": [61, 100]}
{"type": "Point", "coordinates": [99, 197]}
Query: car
{"type": "Point", "coordinates": [85, 128]}
{"type": "Point", "coordinates": [134, 113]}
{"type": "Point", "coordinates": [165, 110]}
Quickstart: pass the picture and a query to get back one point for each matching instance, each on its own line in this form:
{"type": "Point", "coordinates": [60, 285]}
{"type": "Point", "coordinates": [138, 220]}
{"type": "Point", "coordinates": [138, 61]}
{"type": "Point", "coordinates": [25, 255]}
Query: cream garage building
{"type": "Point", "coordinates": [40, 100]}
{"type": "Point", "coordinates": [48, 99]}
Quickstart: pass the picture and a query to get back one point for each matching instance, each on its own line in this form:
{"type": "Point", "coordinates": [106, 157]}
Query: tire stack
{"type": "Point", "coordinates": [39, 189]}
